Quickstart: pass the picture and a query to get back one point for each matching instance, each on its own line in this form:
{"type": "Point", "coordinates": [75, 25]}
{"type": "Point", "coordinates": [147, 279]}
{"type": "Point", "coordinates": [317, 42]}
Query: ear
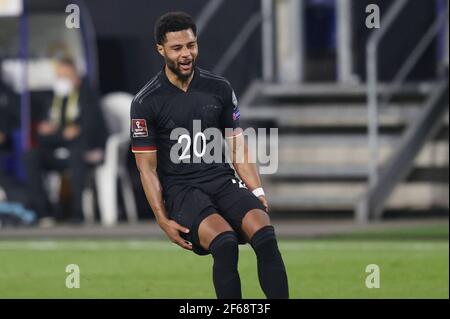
{"type": "Point", "coordinates": [160, 49]}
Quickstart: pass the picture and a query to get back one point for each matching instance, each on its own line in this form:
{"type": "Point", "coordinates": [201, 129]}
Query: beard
{"type": "Point", "coordinates": [175, 68]}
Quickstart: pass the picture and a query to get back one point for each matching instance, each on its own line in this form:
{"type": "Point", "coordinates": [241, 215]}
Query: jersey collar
{"type": "Point", "coordinates": [171, 85]}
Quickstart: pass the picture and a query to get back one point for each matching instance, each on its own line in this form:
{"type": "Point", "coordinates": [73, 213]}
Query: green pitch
{"type": "Point", "coordinates": [326, 268]}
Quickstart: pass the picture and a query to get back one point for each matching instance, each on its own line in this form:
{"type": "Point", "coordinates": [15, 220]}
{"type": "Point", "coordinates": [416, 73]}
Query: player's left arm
{"type": "Point", "coordinates": [244, 166]}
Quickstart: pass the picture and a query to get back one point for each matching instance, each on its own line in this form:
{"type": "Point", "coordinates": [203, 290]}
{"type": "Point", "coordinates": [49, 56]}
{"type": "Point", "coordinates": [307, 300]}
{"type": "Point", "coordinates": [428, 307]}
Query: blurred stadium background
{"type": "Point", "coordinates": [363, 122]}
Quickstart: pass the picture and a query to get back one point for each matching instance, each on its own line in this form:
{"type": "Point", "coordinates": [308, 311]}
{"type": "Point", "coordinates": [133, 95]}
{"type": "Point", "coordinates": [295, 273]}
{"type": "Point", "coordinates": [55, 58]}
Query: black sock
{"type": "Point", "coordinates": [271, 270]}
{"type": "Point", "coordinates": [225, 251]}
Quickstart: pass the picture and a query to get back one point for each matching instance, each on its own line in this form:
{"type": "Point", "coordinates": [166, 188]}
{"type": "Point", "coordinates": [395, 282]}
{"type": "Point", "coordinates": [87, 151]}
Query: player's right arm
{"type": "Point", "coordinates": [147, 163]}
{"type": "Point", "coordinates": [143, 138]}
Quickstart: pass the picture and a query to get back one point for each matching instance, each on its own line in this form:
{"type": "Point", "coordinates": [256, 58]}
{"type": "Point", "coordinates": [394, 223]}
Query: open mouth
{"type": "Point", "coordinates": [186, 66]}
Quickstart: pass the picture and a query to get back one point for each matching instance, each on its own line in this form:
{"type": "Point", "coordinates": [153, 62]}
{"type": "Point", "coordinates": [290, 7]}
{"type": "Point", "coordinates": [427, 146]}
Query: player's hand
{"type": "Point", "coordinates": [264, 202]}
{"type": "Point", "coordinates": [172, 230]}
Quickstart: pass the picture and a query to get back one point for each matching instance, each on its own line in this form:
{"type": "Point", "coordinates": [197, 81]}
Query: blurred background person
{"type": "Point", "coordinates": [8, 116]}
{"type": "Point", "coordinates": [70, 138]}
{"type": "Point", "coordinates": [4, 136]}
{"type": "Point", "coordinates": [9, 122]}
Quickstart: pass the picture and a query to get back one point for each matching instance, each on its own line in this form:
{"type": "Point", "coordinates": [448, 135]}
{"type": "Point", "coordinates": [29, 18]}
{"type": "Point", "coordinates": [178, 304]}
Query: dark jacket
{"type": "Point", "coordinates": [90, 119]}
{"type": "Point", "coordinates": [9, 114]}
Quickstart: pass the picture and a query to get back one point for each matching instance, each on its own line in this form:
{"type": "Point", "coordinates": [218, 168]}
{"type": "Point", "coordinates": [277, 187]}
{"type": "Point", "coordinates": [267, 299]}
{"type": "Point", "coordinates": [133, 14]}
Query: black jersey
{"type": "Point", "coordinates": [161, 107]}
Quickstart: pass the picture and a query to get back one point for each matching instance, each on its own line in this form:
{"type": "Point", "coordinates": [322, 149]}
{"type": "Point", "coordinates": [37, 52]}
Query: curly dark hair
{"type": "Point", "coordinates": [172, 22]}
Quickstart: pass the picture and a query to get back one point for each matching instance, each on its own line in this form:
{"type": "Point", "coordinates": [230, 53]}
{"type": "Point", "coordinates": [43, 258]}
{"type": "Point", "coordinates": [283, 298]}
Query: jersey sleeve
{"type": "Point", "coordinates": [230, 112]}
{"type": "Point", "coordinates": [143, 128]}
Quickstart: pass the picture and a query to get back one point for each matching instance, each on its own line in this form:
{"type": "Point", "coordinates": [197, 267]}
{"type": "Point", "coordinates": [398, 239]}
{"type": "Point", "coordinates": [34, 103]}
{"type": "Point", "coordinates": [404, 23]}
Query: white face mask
{"type": "Point", "coordinates": [62, 87]}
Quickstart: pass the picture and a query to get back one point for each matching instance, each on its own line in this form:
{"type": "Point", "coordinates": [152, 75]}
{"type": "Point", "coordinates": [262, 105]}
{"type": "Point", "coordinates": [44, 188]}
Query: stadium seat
{"type": "Point", "coordinates": [116, 109]}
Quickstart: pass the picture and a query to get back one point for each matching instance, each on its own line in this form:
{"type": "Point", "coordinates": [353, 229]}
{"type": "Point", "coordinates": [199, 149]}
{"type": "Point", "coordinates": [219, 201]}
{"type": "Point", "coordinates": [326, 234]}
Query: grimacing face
{"type": "Point", "coordinates": [180, 52]}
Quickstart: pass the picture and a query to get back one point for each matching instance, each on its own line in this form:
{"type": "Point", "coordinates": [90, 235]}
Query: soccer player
{"type": "Point", "coordinates": [202, 206]}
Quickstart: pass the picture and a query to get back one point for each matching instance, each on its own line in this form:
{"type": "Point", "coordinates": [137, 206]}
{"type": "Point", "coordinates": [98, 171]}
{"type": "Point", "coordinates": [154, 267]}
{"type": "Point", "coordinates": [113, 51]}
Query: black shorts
{"type": "Point", "coordinates": [189, 204]}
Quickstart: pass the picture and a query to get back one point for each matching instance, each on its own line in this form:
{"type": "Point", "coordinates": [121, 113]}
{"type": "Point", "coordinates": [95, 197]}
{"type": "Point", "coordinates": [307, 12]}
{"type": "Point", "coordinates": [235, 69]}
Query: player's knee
{"type": "Point", "coordinates": [224, 248]}
{"type": "Point", "coordinates": [264, 243]}
{"type": "Point", "coordinates": [253, 221]}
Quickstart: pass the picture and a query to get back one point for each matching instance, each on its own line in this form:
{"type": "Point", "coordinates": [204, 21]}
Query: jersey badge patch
{"type": "Point", "coordinates": [139, 127]}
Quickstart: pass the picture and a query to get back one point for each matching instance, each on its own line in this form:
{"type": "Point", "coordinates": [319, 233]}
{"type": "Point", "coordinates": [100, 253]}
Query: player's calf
{"type": "Point", "coordinates": [225, 251]}
{"type": "Point", "coordinates": [271, 271]}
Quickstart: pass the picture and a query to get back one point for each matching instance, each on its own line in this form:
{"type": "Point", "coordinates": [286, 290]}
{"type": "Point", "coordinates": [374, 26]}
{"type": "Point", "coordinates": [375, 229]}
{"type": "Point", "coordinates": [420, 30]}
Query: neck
{"type": "Point", "coordinates": [182, 84]}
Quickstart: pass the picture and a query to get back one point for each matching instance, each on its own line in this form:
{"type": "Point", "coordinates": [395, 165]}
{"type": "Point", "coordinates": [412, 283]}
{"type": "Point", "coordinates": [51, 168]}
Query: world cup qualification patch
{"type": "Point", "coordinates": [139, 128]}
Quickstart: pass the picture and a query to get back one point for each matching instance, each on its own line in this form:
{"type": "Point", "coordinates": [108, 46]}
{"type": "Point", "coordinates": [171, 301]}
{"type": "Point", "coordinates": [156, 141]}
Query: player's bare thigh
{"type": "Point", "coordinates": [253, 221]}
{"type": "Point", "coordinates": [210, 227]}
